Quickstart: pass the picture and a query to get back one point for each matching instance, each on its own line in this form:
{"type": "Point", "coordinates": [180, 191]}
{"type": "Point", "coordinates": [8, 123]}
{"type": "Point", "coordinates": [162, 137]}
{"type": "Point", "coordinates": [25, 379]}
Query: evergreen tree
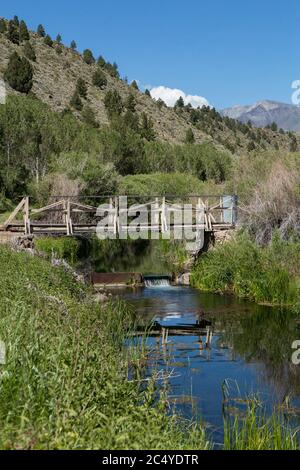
{"type": "Point", "coordinates": [101, 61]}
{"type": "Point", "coordinates": [113, 103]}
{"type": "Point", "coordinates": [130, 103]}
{"type": "Point", "coordinates": [41, 31]}
{"type": "Point", "coordinates": [189, 136]}
{"type": "Point", "coordinates": [76, 101]}
{"type": "Point", "coordinates": [134, 85]}
{"type": "Point", "coordinates": [179, 103]}
{"type": "Point", "coordinates": [81, 88]}
{"type": "Point", "coordinates": [48, 41]}
{"type": "Point", "coordinates": [59, 49]}
{"type": "Point", "coordinates": [13, 32]}
{"type": "Point", "coordinates": [3, 27]}
{"type": "Point", "coordinates": [88, 56]}
{"type": "Point", "coordinates": [274, 127]}
{"type": "Point", "coordinates": [112, 69]}
{"type": "Point", "coordinates": [73, 45]}
{"type": "Point", "coordinates": [16, 21]}
{"type": "Point", "coordinates": [99, 79]}
{"type": "Point", "coordinates": [160, 103]}
{"type": "Point", "coordinates": [147, 92]}
{"type": "Point", "coordinates": [29, 51]}
{"type": "Point", "coordinates": [23, 31]}
{"type": "Point", "coordinates": [251, 146]}
{"type": "Point", "coordinates": [19, 73]}
{"type": "Point", "coordinates": [146, 129]}
{"type": "Point", "coordinates": [58, 39]}
{"type": "Point", "coordinates": [130, 120]}
{"type": "Point", "coordinates": [88, 117]}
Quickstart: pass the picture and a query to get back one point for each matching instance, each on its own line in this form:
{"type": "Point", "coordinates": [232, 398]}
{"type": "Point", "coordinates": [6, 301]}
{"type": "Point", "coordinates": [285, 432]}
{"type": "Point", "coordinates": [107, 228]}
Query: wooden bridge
{"type": "Point", "coordinates": [119, 215]}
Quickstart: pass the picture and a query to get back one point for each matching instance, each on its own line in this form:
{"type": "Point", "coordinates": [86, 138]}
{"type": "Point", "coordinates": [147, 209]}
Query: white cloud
{"type": "Point", "coordinates": [171, 95]}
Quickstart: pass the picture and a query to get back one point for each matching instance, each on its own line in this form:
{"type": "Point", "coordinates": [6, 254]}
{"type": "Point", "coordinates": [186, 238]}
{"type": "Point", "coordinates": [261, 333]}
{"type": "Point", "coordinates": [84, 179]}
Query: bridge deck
{"type": "Point", "coordinates": [161, 215]}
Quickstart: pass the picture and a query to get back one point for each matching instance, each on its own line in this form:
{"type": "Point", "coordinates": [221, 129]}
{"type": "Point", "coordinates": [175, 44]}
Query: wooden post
{"type": "Point", "coordinates": [27, 228]}
{"type": "Point", "coordinates": [116, 217]}
{"type": "Point", "coordinates": [69, 219]}
{"type": "Point", "coordinates": [164, 227]}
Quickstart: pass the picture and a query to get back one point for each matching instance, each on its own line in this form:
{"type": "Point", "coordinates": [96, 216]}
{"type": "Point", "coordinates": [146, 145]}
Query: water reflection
{"type": "Point", "coordinates": [248, 344]}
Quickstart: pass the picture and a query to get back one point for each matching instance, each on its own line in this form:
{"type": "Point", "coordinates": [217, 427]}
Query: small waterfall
{"type": "Point", "coordinates": [157, 281]}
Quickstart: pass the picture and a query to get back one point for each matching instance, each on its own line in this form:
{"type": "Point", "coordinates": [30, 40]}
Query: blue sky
{"type": "Point", "coordinates": [229, 51]}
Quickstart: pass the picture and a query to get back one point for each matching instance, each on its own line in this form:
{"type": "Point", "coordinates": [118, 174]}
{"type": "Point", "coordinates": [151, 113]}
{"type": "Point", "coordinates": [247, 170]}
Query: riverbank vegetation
{"type": "Point", "coordinates": [267, 274]}
{"type": "Point", "coordinates": [69, 382]}
{"type": "Point", "coordinates": [65, 382]}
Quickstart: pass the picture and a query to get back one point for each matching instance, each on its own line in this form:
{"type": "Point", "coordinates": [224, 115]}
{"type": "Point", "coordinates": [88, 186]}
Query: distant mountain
{"type": "Point", "coordinates": [262, 113]}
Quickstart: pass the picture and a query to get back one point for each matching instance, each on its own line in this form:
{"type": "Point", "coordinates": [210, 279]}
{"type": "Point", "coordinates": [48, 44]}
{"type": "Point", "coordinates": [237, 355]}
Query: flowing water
{"type": "Point", "coordinates": [249, 350]}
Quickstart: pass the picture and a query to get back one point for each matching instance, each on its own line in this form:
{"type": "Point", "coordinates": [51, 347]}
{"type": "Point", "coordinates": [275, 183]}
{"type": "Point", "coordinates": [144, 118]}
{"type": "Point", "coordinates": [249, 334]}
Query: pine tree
{"type": "Point", "coordinates": [48, 41]}
{"type": "Point", "coordinates": [274, 127]}
{"type": "Point", "coordinates": [59, 49]}
{"type": "Point", "coordinates": [81, 88]}
{"type": "Point", "coordinates": [147, 130]}
{"type": "Point", "coordinates": [16, 21]}
{"type": "Point", "coordinates": [41, 31]}
{"type": "Point", "coordinates": [189, 136]}
{"type": "Point", "coordinates": [134, 85]}
{"type": "Point", "coordinates": [88, 117]}
{"type": "Point", "coordinates": [160, 103]}
{"type": "Point", "coordinates": [23, 31]}
{"type": "Point", "coordinates": [113, 103]}
{"type": "Point", "coordinates": [76, 101]}
{"type": "Point", "coordinates": [101, 61]}
{"type": "Point", "coordinates": [19, 73]}
{"type": "Point", "coordinates": [130, 103]}
{"type": "Point", "coordinates": [13, 32]}
{"type": "Point", "coordinates": [3, 27]}
{"type": "Point", "coordinates": [179, 103]}
{"type": "Point", "coordinates": [58, 39]}
{"type": "Point", "coordinates": [73, 45]}
{"type": "Point", "coordinates": [99, 79]}
{"type": "Point", "coordinates": [88, 57]}
{"type": "Point", "coordinates": [131, 121]}
{"type": "Point", "coordinates": [29, 51]}
{"type": "Point", "coordinates": [147, 92]}
{"type": "Point", "coordinates": [251, 146]}
{"type": "Point", "coordinates": [112, 69]}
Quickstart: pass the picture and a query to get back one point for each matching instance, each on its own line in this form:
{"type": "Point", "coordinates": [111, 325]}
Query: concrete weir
{"type": "Point", "coordinates": [130, 279]}
{"type": "Point", "coordinates": [117, 279]}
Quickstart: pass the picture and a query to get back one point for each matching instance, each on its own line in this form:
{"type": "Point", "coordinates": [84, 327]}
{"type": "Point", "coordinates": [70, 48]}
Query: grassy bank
{"type": "Point", "coordinates": [64, 384]}
{"type": "Point", "coordinates": [267, 275]}
{"type": "Point", "coordinates": [65, 381]}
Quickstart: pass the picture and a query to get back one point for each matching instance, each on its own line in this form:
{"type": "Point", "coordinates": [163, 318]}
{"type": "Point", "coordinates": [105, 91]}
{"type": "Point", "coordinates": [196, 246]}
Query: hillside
{"type": "Point", "coordinates": [265, 113]}
{"type": "Point", "coordinates": [57, 69]}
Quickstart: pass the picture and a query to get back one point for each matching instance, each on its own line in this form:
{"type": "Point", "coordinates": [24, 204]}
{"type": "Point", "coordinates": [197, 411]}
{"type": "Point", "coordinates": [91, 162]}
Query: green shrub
{"type": "Point", "coordinates": [62, 247]}
{"type": "Point", "coordinates": [247, 270]}
{"type": "Point", "coordinates": [177, 184]}
{"type": "Point", "coordinates": [19, 73]}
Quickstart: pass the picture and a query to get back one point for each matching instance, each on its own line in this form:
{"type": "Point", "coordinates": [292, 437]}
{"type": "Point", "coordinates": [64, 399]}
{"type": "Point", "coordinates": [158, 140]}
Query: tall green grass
{"type": "Point", "coordinates": [270, 274]}
{"type": "Point", "coordinates": [61, 247]}
{"type": "Point", "coordinates": [257, 432]}
{"type": "Point", "coordinates": [65, 382]}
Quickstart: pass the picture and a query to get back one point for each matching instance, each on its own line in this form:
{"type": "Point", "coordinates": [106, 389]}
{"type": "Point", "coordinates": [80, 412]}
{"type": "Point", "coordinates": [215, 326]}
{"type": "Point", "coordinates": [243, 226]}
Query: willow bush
{"type": "Point", "coordinates": [263, 274]}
